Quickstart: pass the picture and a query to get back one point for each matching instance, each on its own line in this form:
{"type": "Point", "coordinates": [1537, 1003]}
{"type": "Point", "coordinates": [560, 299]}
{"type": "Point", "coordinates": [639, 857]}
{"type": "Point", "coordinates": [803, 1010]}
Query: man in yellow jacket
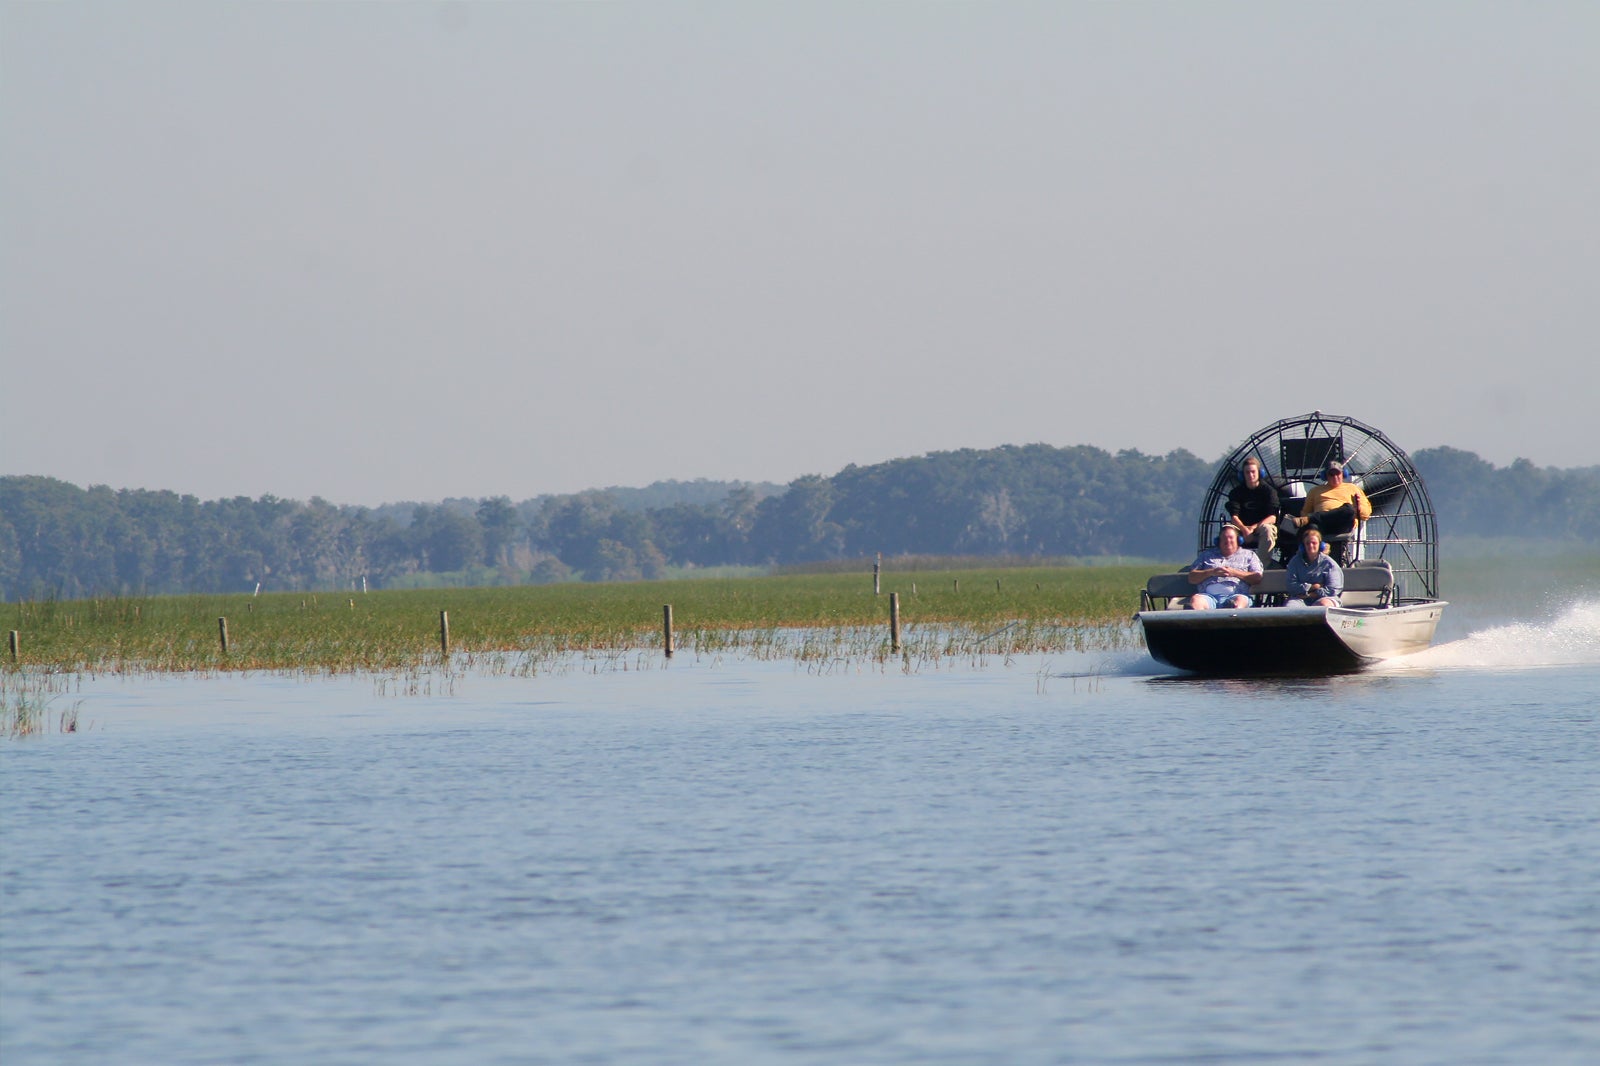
{"type": "Point", "coordinates": [1333, 508]}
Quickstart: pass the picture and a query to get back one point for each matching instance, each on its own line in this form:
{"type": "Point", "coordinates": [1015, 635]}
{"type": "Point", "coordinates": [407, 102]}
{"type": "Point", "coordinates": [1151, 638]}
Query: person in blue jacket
{"type": "Point", "coordinates": [1313, 578]}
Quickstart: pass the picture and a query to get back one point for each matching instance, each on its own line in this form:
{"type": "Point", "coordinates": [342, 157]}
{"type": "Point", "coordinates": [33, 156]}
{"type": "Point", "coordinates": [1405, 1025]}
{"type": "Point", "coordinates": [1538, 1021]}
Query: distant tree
{"type": "Point", "coordinates": [998, 520]}
{"type": "Point", "coordinates": [739, 521]}
{"type": "Point", "coordinates": [694, 534]}
{"type": "Point", "coordinates": [549, 570]}
{"type": "Point", "coordinates": [394, 553]}
{"type": "Point", "coordinates": [614, 561]}
{"type": "Point", "coordinates": [143, 556]}
{"type": "Point", "coordinates": [45, 516]}
{"type": "Point", "coordinates": [316, 560]}
{"type": "Point", "coordinates": [1461, 486]}
{"type": "Point", "coordinates": [502, 529]}
{"type": "Point", "coordinates": [575, 525]}
{"type": "Point", "coordinates": [652, 561]}
{"type": "Point", "coordinates": [796, 525]}
{"type": "Point", "coordinates": [448, 539]}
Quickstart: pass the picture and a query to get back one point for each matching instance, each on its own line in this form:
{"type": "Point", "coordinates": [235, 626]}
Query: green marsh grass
{"type": "Point", "coordinates": [812, 618]}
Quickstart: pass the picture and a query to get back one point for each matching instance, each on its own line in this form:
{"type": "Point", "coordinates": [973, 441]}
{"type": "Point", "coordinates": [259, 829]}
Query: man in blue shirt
{"type": "Point", "coordinates": [1224, 575]}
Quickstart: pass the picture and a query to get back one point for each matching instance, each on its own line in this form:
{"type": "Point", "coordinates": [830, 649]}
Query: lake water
{"type": "Point", "coordinates": [748, 862]}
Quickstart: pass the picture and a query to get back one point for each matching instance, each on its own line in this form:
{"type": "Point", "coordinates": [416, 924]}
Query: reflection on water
{"type": "Point", "coordinates": [1272, 688]}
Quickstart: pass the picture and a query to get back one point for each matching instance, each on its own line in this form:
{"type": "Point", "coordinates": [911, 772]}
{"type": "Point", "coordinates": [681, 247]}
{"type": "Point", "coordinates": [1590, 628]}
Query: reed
{"type": "Point", "coordinates": [809, 617]}
{"type": "Point", "coordinates": [27, 699]}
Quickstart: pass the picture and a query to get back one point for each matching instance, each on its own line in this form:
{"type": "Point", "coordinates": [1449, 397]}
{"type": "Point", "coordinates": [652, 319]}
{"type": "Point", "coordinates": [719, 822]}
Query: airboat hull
{"type": "Point", "coordinates": [1256, 641]}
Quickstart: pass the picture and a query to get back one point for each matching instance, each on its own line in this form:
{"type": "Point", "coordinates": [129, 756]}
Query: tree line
{"type": "Point", "coordinates": [59, 540]}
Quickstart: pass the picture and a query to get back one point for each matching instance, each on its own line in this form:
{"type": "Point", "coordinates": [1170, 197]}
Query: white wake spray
{"type": "Point", "coordinates": [1571, 638]}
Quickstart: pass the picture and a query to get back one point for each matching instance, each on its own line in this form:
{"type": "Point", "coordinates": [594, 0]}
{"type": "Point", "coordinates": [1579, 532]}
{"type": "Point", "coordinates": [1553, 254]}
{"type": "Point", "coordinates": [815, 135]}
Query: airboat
{"type": "Point", "coordinates": [1391, 605]}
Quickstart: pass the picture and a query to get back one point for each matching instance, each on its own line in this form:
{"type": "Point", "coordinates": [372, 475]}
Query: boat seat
{"type": "Point", "coordinates": [1369, 583]}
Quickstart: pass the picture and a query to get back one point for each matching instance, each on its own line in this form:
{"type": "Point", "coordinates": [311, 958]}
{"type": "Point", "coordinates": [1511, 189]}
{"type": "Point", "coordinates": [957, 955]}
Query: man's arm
{"type": "Point", "coordinates": [1235, 505]}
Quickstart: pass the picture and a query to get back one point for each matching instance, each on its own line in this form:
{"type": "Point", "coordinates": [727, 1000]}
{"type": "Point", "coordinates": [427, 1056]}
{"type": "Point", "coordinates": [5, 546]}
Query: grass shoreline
{"type": "Point", "coordinates": [822, 622]}
{"type": "Point", "coordinates": [400, 629]}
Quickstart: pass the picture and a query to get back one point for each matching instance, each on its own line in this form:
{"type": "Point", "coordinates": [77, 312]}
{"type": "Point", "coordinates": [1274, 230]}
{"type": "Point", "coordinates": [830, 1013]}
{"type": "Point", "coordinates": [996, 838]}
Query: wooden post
{"type": "Point", "coordinates": [16, 645]}
{"type": "Point", "coordinates": [997, 584]}
{"type": "Point", "coordinates": [958, 584]}
{"type": "Point", "coordinates": [444, 634]}
{"type": "Point", "coordinates": [666, 628]}
{"type": "Point", "coordinates": [894, 621]}
{"type": "Point", "coordinates": [222, 634]}
{"type": "Point", "coordinates": [877, 567]}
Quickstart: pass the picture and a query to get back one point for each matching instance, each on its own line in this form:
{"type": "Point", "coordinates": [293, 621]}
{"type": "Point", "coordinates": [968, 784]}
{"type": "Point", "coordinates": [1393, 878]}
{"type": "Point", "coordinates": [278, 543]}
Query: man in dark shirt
{"type": "Point", "coordinates": [1253, 511]}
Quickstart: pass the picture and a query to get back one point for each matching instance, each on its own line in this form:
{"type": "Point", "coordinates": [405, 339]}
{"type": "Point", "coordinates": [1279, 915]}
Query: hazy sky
{"type": "Point", "coordinates": [396, 251]}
